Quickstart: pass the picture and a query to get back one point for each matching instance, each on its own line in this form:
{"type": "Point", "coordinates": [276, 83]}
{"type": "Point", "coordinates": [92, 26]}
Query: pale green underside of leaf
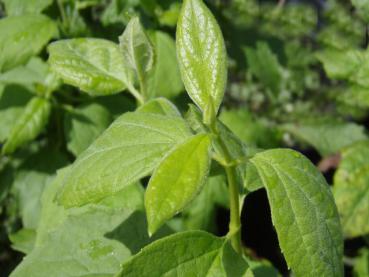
{"type": "Point", "coordinates": [20, 7]}
{"type": "Point", "coordinates": [84, 125]}
{"type": "Point", "coordinates": [328, 135]}
{"type": "Point", "coordinates": [165, 78]}
{"type": "Point", "coordinates": [303, 213]}
{"type": "Point", "coordinates": [127, 151]}
{"type": "Point", "coordinates": [136, 48]}
{"type": "Point", "coordinates": [22, 37]}
{"type": "Point", "coordinates": [71, 243]}
{"type": "Point", "coordinates": [192, 253]}
{"type": "Point", "coordinates": [29, 125]}
{"type": "Point", "coordinates": [351, 190]}
{"type": "Point", "coordinates": [177, 180]}
{"type": "Point", "coordinates": [96, 66]}
{"type": "Point", "coordinates": [202, 56]}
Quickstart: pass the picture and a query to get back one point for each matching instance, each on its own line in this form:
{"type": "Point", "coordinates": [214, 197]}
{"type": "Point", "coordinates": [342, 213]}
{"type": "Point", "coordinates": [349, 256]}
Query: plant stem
{"type": "Point", "coordinates": [140, 99]}
{"type": "Point", "coordinates": [235, 222]}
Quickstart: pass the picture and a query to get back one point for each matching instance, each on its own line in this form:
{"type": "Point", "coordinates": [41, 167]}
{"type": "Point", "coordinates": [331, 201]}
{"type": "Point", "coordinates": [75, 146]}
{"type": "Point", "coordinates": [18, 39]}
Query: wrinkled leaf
{"type": "Point", "coordinates": [29, 125]}
{"type": "Point", "coordinates": [96, 66]}
{"type": "Point", "coordinates": [173, 185]}
{"type": "Point", "coordinates": [127, 151]}
{"type": "Point", "coordinates": [351, 190]}
{"type": "Point", "coordinates": [303, 213]}
{"type": "Point", "coordinates": [202, 57]}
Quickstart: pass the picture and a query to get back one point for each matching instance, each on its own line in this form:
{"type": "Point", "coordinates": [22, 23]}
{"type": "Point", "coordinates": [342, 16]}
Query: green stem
{"type": "Point", "coordinates": [235, 223]}
{"type": "Point", "coordinates": [140, 99]}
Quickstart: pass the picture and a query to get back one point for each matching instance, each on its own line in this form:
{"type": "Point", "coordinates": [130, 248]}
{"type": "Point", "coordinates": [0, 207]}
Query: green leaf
{"type": "Point", "coordinates": [29, 125]}
{"type": "Point", "coordinates": [83, 125]}
{"type": "Point", "coordinates": [174, 184]}
{"type": "Point", "coordinates": [202, 57]}
{"type": "Point", "coordinates": [165, 79]}
{"type": "Point", "coordinates": [12, 102]}
{"type": "Point", "coordinates": [361, 267]}
{"type": "Point", "coordinates": [303, 213]}
{"type": "Point", "coordinates": [128, 150]}
{"type": "Point", "coordinates": [20, 7]}
{"type": "Point", "coordinates": [192, 253]}
{"type": "Point", "coordinates": [351, 190]}
{"type": "Point", "coordinates": [62, 247]}
{"type": "Point", "coordinates": [362, 8]}
{"type": "Point", "coordinates": [263, 63]}
{"type": "Point", "coordinates": [137, 51]}
{"type": "Point", "coordinates": [96, 66]}
{"type": "Point", "coordinates": [160, 106]}
{"type": "Point", "coordinates": [327, 135]}
{"type": "Point", "coordinates": [22, 37]}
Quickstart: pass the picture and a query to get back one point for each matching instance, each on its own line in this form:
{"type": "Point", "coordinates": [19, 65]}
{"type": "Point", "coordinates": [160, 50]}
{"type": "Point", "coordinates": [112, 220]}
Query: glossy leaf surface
{"type": "Point", "coordinates": [202, 57]}
{"type": "Point", "coordinates": [96, 66]}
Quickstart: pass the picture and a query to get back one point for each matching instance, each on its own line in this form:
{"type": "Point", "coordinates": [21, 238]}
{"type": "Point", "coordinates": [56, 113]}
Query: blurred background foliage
{"type": "Point", "coordinates": [298, 77]}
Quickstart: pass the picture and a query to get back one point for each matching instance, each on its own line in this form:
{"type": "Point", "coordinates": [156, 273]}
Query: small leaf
{"type": "Point", "coordinates": [21, 37]}
{"type": "Point", "coordinates": [174, 184]}
{"type": "Point", "coordinates": [361, 267]}
{"type": "Point", "coordinates": [160, 106]}
{"type": "Point", "coordinates": [96, 66]}
{"type": "Point", "coordinates": [29, 125]}
{"type": "Point", "coordinates": [303, 213]}
{"type": "Point", "coordinates": [202, 57]}
{"type": "Point", "coordinates": [83, 125]}
{"type": "Point", "coordinates": [351, 190]}
{"type": "Point", "coordinates": [137, 50]}
{"type": "Point", "coordinates": [192, 253]}
{"type": "Point", "coordinates": [128, 150]}
{"type": "Point", "coordinates": [23, 240]}
{"type": "Point", "coordinates": [165, 78]}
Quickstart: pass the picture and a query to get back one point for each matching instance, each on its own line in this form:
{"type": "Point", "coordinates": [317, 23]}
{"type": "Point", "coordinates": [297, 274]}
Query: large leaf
{"type": "Point", "coordinates": [192, 253]}
{"type": "Point", "coordinates": [127, 151]}
{"type": "Point", "coordinates": [83, 125]}
{"type": "Point", "coordinates": [96, 66]}
{"type": "Point", "coordinates": [202, 57]}
{"type": "Point", "coordinates": [137, 50]}
{"type": "Point", "coordinates": [177, 180]}
{"type": "Point", "coordinates": [22, 37]}
{"type": "Point", "coordinates": [20, 7]}
{"type": "Point", "coordinates": [326, 135]}
{"type": "Point", "coordinates": [72, 243]}
{"type": "Point", "coordinates": [351, 190]}
{"type": "Point", "coordinates": [12, 102]}
{"type": "Point", "coordinates": [29, 125]}
{"type": "Point", "coordinates": [303, 213]}
{"type": "Point", "coordinates": [165, 79]}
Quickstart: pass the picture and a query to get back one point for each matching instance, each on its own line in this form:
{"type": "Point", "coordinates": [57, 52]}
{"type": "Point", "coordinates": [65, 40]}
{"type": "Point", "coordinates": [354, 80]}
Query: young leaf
{"type": "Point", "coordinates": [22, 37]}
{"type": "Point", "coordinates": [303, 213]}
{"type": "Point", "coordinates": [127, 151]}
{"type": "Point", "coordinates": [160, 106]}
{"type": "Point", "coordinates": [165, 78]}
{"type": "Point", "coordinates": [192, 253]}
{"type": "Point", "coordinates": [96, 66]}
{"type": "Point", "coordinates": [137, 50]}
{"type": "Point", "coordinates": [177, 180]}
{"type": "Point", "coordinates": [351, 190]}
{"type": "Point", "coordinates": [83, 125]}
{"type": "Point", "coordinates": [202, 57]}
{"type": "Point", "coordinates": [29, 125]}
